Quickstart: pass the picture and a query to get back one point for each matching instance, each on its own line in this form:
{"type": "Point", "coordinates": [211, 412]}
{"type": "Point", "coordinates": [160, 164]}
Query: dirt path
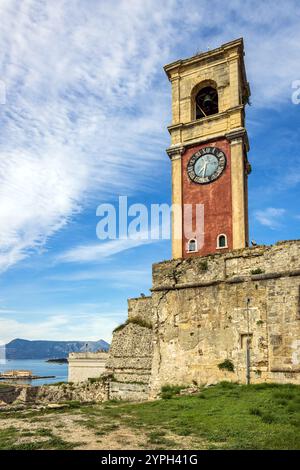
{"type": "Point", "coordinates": [93, 434]}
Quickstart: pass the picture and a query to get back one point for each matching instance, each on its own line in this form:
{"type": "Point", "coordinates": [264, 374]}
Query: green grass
{"type": "Point", "coordinates": [53, 443]}
{"type": "Point", "coordinates": [10, 436]}
{"type": "Point", "coordinates": [4, 385]}
{"type": "Point", "coordinates": [136, 321]}
{"type": "Point", "coordinates": [157, 438]}
{"type": "Point", "coordinates": [229, 416]}
{"type": "Point", "coordinates": [225, 416]}
{"type": "Point", "coordinates": [107, 428]}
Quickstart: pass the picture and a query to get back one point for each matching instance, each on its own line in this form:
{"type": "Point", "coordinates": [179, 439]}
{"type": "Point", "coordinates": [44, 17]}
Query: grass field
{"type": "Point", "coordinates": [226, 416]}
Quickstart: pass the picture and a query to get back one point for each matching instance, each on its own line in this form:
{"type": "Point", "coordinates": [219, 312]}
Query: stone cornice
{"type": "Point", "coordinates": [213, 117]}
{"type": "Point", "coordinates": [232, 280]}
{"type": "Point", "coordinates": [237, 136]}
{"type": "Point", "coordinates": [175, 151]}
{"type": "Point", "coordinates": [238, 43]}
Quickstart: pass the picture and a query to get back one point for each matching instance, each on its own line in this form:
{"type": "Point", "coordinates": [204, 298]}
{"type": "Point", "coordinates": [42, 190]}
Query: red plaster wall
{"type": "Point", "coordinates": [215, 196]}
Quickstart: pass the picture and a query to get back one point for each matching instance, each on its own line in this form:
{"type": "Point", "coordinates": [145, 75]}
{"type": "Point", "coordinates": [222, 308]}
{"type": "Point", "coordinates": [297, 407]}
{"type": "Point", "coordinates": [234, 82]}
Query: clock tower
{"type": "Point", "coordinates": [208, 152]}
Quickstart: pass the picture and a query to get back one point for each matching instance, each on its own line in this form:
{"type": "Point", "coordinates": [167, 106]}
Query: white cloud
{"type": "Point", "coordinates": [62, 327]}
{"type": "Point", "coordinates": [69, 76]}
{"type": "Point", "coordinates": [98, 251]}
{"type": "Point", "coordinates": [270, 217]}
{"type": "Point", "coordinates": [272, 41]}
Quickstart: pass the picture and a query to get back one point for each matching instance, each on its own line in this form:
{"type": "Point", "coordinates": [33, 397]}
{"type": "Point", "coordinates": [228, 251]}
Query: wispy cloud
{"type": "Point", "coordinates": [270, 217]}
{"type": "Point", "coordinates": [117, 274]}
{"type": "Point", "coordinates": [98, 251]}
{"type": "Point", "coordinates": [71, 79]}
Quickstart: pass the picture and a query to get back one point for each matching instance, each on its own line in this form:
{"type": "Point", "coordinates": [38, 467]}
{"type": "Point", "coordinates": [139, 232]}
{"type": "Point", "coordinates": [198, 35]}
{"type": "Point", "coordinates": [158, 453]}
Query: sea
{"type": "Point", "coordinates": [38, 367]}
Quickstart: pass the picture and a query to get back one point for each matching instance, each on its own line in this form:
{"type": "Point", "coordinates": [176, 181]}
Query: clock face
{"type": "Point", "coordinates": [206, 165]}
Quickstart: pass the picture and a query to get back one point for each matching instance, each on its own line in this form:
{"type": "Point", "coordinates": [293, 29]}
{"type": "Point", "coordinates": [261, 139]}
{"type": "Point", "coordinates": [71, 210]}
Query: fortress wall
{"type": "Point", "coordinates": [140, 308]}
{"type": "Point", "coordinates": [128, 391]}
{"type": "Point", "coordinates": [130, 356]}
{"type": "Point", "coordinates": [201, 318]}
{"type": "Point", "coordinates": [87, 391]}
{"type": "Point", "coordinates": [281, 257]}
{"type": "Point", "coordinates": [131, 352]}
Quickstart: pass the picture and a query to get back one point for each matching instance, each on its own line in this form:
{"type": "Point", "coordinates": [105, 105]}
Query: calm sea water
{"type": "Point", "coordinates": [38, 367]}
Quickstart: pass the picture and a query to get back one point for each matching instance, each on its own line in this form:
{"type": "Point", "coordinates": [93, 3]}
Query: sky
{"type": "Point", "coordinates": [84, 110]}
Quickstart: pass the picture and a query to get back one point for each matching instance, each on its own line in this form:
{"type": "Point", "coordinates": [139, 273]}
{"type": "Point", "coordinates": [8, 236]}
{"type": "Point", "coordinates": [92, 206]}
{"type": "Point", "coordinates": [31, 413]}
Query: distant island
{"type": "Point", "coordinates": [59, 360]}
{"type": "Point", "coordinates": [25, 349]}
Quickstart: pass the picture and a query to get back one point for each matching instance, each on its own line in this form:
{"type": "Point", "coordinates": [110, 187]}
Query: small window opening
{"type": "Point", "coordinates": [192, 246]}
{"type": "Point", "coordinates": [222, 241]}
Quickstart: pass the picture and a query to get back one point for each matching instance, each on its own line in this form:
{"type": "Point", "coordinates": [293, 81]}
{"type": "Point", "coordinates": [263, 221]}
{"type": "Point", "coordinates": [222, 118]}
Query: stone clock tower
{"type": "Point", "coordinates": [208, 151]}
{"type": "Point", "coordinates": [220, 317]}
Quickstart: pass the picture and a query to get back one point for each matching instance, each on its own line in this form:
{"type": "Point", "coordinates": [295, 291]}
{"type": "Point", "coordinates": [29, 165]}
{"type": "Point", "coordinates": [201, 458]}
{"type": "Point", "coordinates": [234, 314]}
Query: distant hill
{"type": "Point", "coordinates": [24, 349]}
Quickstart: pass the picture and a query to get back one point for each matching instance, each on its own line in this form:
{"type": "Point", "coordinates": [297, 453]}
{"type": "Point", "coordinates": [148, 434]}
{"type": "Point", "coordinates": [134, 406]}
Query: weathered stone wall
{"type": "Point", "coordinates": [9, 394]}
{"type": "Point", "coordinates": [201, 317]}
{"type": "Point", "coordinates": [140, 308]}
{"type": "Point", "coordinates": [131, 353]}
{"type": "Point", "coordinates": [128, 391]}
{"type": "Point", "coordinates": [282, 257]}
{"type": "Point", "coordinates": [83, 366]}
{"type": "Point", "coordinates": [97, 391]}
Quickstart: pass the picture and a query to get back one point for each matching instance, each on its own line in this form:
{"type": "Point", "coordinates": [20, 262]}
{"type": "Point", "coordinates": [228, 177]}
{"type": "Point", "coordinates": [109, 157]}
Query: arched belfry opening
{"type": "Point", "coordinates": [206, 102]}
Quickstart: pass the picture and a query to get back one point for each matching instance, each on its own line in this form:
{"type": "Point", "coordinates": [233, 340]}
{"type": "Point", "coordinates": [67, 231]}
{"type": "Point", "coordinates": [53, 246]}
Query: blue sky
{"type": "Point", "coordinates": [84, 121]}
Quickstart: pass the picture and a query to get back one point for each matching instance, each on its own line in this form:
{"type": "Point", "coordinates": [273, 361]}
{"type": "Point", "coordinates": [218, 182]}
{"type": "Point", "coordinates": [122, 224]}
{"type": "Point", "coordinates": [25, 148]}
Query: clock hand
{"type": "Point", "coordinates": [202, 170]}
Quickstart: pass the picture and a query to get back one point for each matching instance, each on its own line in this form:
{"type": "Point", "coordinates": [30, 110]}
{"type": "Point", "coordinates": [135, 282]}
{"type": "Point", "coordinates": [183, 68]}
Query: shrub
{"type": "Point", "coordinates": [257, 271]}
{"type": "Point", "coordinates": [226, 384]}
{"type": "Point", "coordinates": [101, 379]}
{"type": "Point", "coordinates": [136, 321]}
{"type": "Point", "coordinates": [226, 365]}
{"type": "Point", "coordinates": [168, 391]}
{"type": "Point", "coordinates": [93, 380]}
{"type": "Point", "coordinates": [204, 265]}
{"type": "Point", "coordinates": [266, 385]}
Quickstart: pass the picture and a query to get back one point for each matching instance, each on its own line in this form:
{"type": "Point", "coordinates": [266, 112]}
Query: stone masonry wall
{"type": "Point", "coordinates": [140, 308]}
{"type": "Point", "coordinates": [131, 351]}
{"type": "Point", "coordinates": [201, 319]}
{"type": "Point", "coordinates": [97, 391]}
{"type": "Point", "coordinates": [9, 394]}
{"type": "Point", "coordinates": [195, 319]}
{"type": "Point", "coordinates": [128, 391]}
